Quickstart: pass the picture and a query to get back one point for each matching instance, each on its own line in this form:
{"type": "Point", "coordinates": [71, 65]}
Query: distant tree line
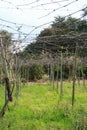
{"type": "Point", "coordinates": [66, 36]}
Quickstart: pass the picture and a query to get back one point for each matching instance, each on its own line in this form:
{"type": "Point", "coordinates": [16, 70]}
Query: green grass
{"type": "Point", "coordinates": [38, 108]}
{"type": "Point", "coordinates": [2, 97]}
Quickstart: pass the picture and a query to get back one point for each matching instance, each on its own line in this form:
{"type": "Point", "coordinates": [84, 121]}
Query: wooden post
{"type": "Point", "coordinates": [61, 77]}
{"type": "Point", "coordinates": [17, 75]}
{"type": "Point", "coordinates": [74, 76]}
{"type": "Point", "coordinates": [83, 76]}
{"type": "Point", "coordinates": [52, 75]}
{"type": "Point", "coordinates": [57, 73]}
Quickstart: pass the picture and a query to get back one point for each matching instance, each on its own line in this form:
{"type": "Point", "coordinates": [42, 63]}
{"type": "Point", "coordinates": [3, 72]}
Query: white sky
{"type": "Point", "coordinates": [32, 11]}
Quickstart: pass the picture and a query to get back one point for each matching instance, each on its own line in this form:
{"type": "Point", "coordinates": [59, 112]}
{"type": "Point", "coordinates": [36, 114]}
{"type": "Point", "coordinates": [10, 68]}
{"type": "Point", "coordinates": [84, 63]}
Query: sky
{"type": "Point", "coordinates": [30, 16]}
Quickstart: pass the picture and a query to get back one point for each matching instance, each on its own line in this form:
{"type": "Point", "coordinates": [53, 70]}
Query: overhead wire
{"type": "Point", "coordinates": [54, 2]}
{"type": "Point", "coordinates": [15, 23]}
{"type": "Point", "coordinates": [10, 3]}
{"type": "Point", "coordinates": [34, 28]}
{"type": "Point", "coordinates": [28, 25]}
{"type": "Point", "coordinates": [41, 26]}
{"type": "Point", "coordinates": [27, 4]}
{"type": "Point", "coordinates": [52, 21]}
{"type": "Point", "coordinates": [59, 8]}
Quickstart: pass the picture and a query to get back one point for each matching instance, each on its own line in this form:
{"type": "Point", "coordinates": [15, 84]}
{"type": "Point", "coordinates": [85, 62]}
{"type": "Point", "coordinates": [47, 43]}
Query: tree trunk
{"type": "Point", "coordinates": [5, 69]}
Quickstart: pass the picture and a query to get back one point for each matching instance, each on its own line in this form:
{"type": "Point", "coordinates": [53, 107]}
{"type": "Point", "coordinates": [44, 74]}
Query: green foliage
{"type": "Point", "coordinates": [36, 72]}
{"type": "Point", "coordinates": [66, 26]}
{"type": "Point", "coordinates": [45, 32]}
{"type": "Point", "coordinates": [66, 35]}
{"type": "Point", "coordinates": [2, 97]}
{"type": "Point", "coordinates": [6, 36]}
{"type": "Point", "coordinates": [39, 108]}
{"type": "Point", "coordinates": [32, 73]}
{"type": "Point", "coordinates": [60, 26]}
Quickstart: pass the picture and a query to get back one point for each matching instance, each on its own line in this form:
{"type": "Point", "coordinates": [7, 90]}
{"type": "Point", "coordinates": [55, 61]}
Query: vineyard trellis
{"type": "Point", "coordinates": [59, 56]}
{"type": "Point", "coordinates": [16, 67]}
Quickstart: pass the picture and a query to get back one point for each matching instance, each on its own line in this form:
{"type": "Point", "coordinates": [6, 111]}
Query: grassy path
{"type": "Point", "coordinates": [38, 108]}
